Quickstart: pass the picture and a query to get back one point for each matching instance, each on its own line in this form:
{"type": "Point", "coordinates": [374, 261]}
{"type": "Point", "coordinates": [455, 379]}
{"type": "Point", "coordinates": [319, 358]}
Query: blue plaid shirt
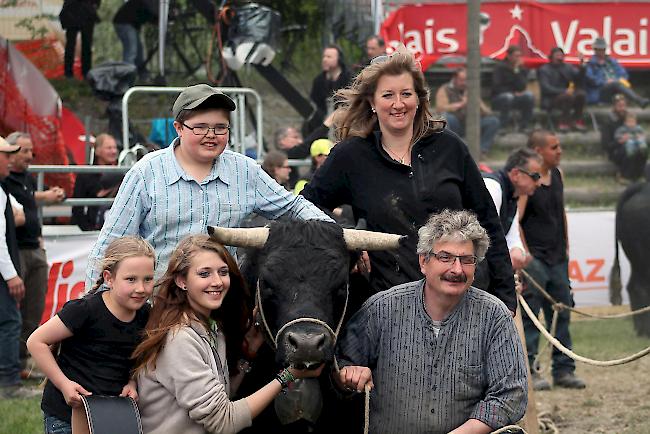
{"type": "Point", "coordinates": [160, 202]}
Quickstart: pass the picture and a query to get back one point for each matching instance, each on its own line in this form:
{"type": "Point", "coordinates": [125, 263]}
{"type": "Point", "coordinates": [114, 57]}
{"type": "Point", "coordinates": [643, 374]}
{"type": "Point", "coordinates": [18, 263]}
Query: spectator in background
{"type": "Point", "coordinates": [289, 140]}
{"type": "Point", "coordinates": [519, 177]}
{"type": "Point", "coordinates": [97, 185]}
{"type": "Point", "coordinates": [334, 76]}
{"type": "Point", "coordinates": [560, 84]}
{"type": "Point", "coordinates": [79, 16]}
{"type": "Point", "coordinates": [375, 46]}
{"type": "Point", "coordinates": [12, 290]}
{"type": "Point", "coordinates": [628, 166]}
{"type": "Point", "coordinates": [451, 99]}
{"type": "Point", "coordinates": [605, 78]}
{"type": "Point", "coordinates": [631, 137]}
{"type": "Point", "coordinates": [319, 151]}
{"type": "Point", "coordinates": [33, 260]}
{"type": "Point", "coordinates": [545, 233]}
{"type": "Point", "coordinates": [127, 22]}
{"type": "Point", "coordinates": [276, 164]}
{"type": "Point", "coordinates": [509, 82]}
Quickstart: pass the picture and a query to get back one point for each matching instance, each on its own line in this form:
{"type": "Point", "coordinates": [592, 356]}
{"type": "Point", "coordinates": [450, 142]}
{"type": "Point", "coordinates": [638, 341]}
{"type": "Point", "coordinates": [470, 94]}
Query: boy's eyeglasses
{"type": "Point", "coordinates": [448, 258]}
{"type": "Point", "coordinates": [203, 130]}
{"type": "Point", "coordinates": [535, 176]}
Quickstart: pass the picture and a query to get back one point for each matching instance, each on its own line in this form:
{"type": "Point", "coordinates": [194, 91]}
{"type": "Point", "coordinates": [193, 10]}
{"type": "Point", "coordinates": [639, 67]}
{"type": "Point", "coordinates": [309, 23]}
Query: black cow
{"type": "Point", "coordinates": [633, 232]}
{"type": "Point", "coordinates": [301, 277]}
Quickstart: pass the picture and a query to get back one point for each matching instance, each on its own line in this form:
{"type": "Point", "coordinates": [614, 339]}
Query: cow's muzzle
{"type": "Point", "coordinates": [305, 346]}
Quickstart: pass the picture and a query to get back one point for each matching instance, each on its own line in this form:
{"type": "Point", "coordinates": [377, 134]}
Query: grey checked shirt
{"type": "Point", "coordinates": [474, 368]}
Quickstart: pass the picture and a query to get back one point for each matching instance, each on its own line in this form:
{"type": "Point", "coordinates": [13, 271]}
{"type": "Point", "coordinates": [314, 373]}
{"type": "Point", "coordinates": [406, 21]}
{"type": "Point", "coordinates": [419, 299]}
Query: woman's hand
{"type": "Point", "coordinates": [130, 390]}
{"type": "Point", "coordinates": [72, 393]}
{"type": "Point", "coordinates": [355, 378]}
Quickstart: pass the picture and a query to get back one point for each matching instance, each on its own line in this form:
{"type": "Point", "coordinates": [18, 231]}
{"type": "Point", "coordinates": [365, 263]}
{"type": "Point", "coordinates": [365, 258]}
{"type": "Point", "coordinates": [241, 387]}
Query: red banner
{"type": "Point", "coordinates": [436, 32]}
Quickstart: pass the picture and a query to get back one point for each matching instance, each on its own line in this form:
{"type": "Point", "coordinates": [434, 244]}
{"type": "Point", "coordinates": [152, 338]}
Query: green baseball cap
{"type": "Point", "coordinates": [202, 96]}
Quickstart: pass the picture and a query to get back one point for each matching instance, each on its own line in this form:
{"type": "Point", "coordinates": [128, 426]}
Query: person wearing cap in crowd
{"type": "Point", "coordinates": [194, 183]}
{"type": "Point", "coordinates": [33, 260]}
{"type": "Point", "coordinates": [319, 150]}
{"type": "Point", "coordinates": [12, 289]}
{"type": "Point", "coordinates": [605, 77]}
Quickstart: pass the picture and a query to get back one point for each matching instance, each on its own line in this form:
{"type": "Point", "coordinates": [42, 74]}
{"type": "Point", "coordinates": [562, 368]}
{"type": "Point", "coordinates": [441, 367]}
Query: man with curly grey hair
{"type": "Point", "coordinates": [441, 355]}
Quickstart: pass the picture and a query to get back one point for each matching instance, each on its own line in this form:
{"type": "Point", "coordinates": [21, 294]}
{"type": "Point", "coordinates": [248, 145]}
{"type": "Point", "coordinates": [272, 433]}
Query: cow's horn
{"type": "Point", "coordinates": [367, 240]}
{"type": "Point", "coordinates": [239, 237]}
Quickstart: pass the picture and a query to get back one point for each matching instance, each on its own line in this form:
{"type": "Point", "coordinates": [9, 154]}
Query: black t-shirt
{"type": "Point", "coordinates": [98, 355]}
{"type": "Point", "coordinates": [543, 222]}
{"type": "Point", "coordinates": [22, 187]}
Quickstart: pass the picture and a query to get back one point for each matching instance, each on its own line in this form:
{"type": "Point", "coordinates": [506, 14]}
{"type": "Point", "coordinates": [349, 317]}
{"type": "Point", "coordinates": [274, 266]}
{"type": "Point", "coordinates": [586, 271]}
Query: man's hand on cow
{"type": "Point", "coordinates": [363, 264]}
{"type": "Point", "coordinates": [355, 378]}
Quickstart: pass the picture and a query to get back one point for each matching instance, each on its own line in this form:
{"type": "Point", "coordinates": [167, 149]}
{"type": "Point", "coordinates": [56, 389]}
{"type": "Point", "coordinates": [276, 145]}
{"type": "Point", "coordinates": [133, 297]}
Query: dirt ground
{"type": "Point", "coordinates": [616, 400]}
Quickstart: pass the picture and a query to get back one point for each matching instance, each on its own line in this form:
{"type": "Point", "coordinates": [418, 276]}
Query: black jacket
{"type": "Point", "coordinates": [554, 80]}
{"type": "Point", "coordinates": [505, 79]}
{"type": "Point", "coordinates": [22, 187]}
{"type": "Point", "coordinates": [398, 199]}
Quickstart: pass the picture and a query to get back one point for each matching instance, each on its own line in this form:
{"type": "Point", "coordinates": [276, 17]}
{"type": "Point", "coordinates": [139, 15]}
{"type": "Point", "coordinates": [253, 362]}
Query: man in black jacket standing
{"type": "Point", "coordinates": [509, 92]}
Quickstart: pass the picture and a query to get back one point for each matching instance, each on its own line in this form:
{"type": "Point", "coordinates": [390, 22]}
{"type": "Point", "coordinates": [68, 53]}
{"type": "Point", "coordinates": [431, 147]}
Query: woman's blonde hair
{"type": "Point", "coordinates": [119, 250]}
{"type": "Point", "coordinates": [354, 117]}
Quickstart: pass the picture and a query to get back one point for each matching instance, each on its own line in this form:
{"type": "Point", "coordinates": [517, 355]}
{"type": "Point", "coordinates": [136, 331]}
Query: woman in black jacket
{"type": "Point", "coordinates": [396, 165]}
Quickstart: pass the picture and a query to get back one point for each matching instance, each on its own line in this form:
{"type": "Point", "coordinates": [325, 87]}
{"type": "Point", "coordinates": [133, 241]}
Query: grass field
{"type": "Point", "coordinates": [615, 400]}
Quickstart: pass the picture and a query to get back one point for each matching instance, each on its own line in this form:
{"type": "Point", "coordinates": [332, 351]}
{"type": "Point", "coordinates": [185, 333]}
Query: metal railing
{"type": "Point", "coordinates": [40, 172]}
{"type": "Point", "coordinates": [238, 119]}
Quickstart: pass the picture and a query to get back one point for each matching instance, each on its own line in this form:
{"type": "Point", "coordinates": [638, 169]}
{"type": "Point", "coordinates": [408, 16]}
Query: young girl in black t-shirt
{"type": "Point", "coordinates": [97, 335]}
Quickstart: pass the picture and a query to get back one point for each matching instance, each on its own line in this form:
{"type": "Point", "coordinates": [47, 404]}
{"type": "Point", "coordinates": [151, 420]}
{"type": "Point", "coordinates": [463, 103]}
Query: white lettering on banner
{"type": "Point", "coordinates": [591, 257]}
{"type": "Point", "coordinates": [412, 39]}
{"type": "Point", "coordinates": [67, 257]}
{"type": "Point", "coordinates": [624, 42]}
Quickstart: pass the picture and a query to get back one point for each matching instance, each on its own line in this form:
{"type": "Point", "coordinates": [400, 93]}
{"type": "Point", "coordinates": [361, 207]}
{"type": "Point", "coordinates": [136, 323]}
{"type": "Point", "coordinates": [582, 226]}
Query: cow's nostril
{"type": "Point", "coordinates": [293, 342]}
{"type": "Point", "coordinates": [320, 341]}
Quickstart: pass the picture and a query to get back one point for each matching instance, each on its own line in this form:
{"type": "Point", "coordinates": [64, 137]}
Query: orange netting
{"type": "Point", "coordinates": [17, 115]}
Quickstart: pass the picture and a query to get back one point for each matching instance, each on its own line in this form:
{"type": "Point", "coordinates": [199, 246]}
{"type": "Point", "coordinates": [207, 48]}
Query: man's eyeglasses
{"type": "Point", "coordinates": [535, 176]}
{"type": "Point", "coordinates": [448, 258]}
{"type": "Point", "coordinates": [203, 130]}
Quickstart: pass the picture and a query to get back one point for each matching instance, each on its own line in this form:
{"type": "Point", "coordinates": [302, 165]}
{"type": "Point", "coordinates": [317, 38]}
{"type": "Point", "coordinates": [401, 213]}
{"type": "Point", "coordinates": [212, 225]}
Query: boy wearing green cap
{"type": "Point", "coordinates": [194, 183]}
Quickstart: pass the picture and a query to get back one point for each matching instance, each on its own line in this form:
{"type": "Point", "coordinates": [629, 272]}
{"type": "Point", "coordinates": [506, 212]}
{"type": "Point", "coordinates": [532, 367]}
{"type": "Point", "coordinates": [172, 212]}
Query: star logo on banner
{"type": "Point", "coordinates": [516, 12]}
